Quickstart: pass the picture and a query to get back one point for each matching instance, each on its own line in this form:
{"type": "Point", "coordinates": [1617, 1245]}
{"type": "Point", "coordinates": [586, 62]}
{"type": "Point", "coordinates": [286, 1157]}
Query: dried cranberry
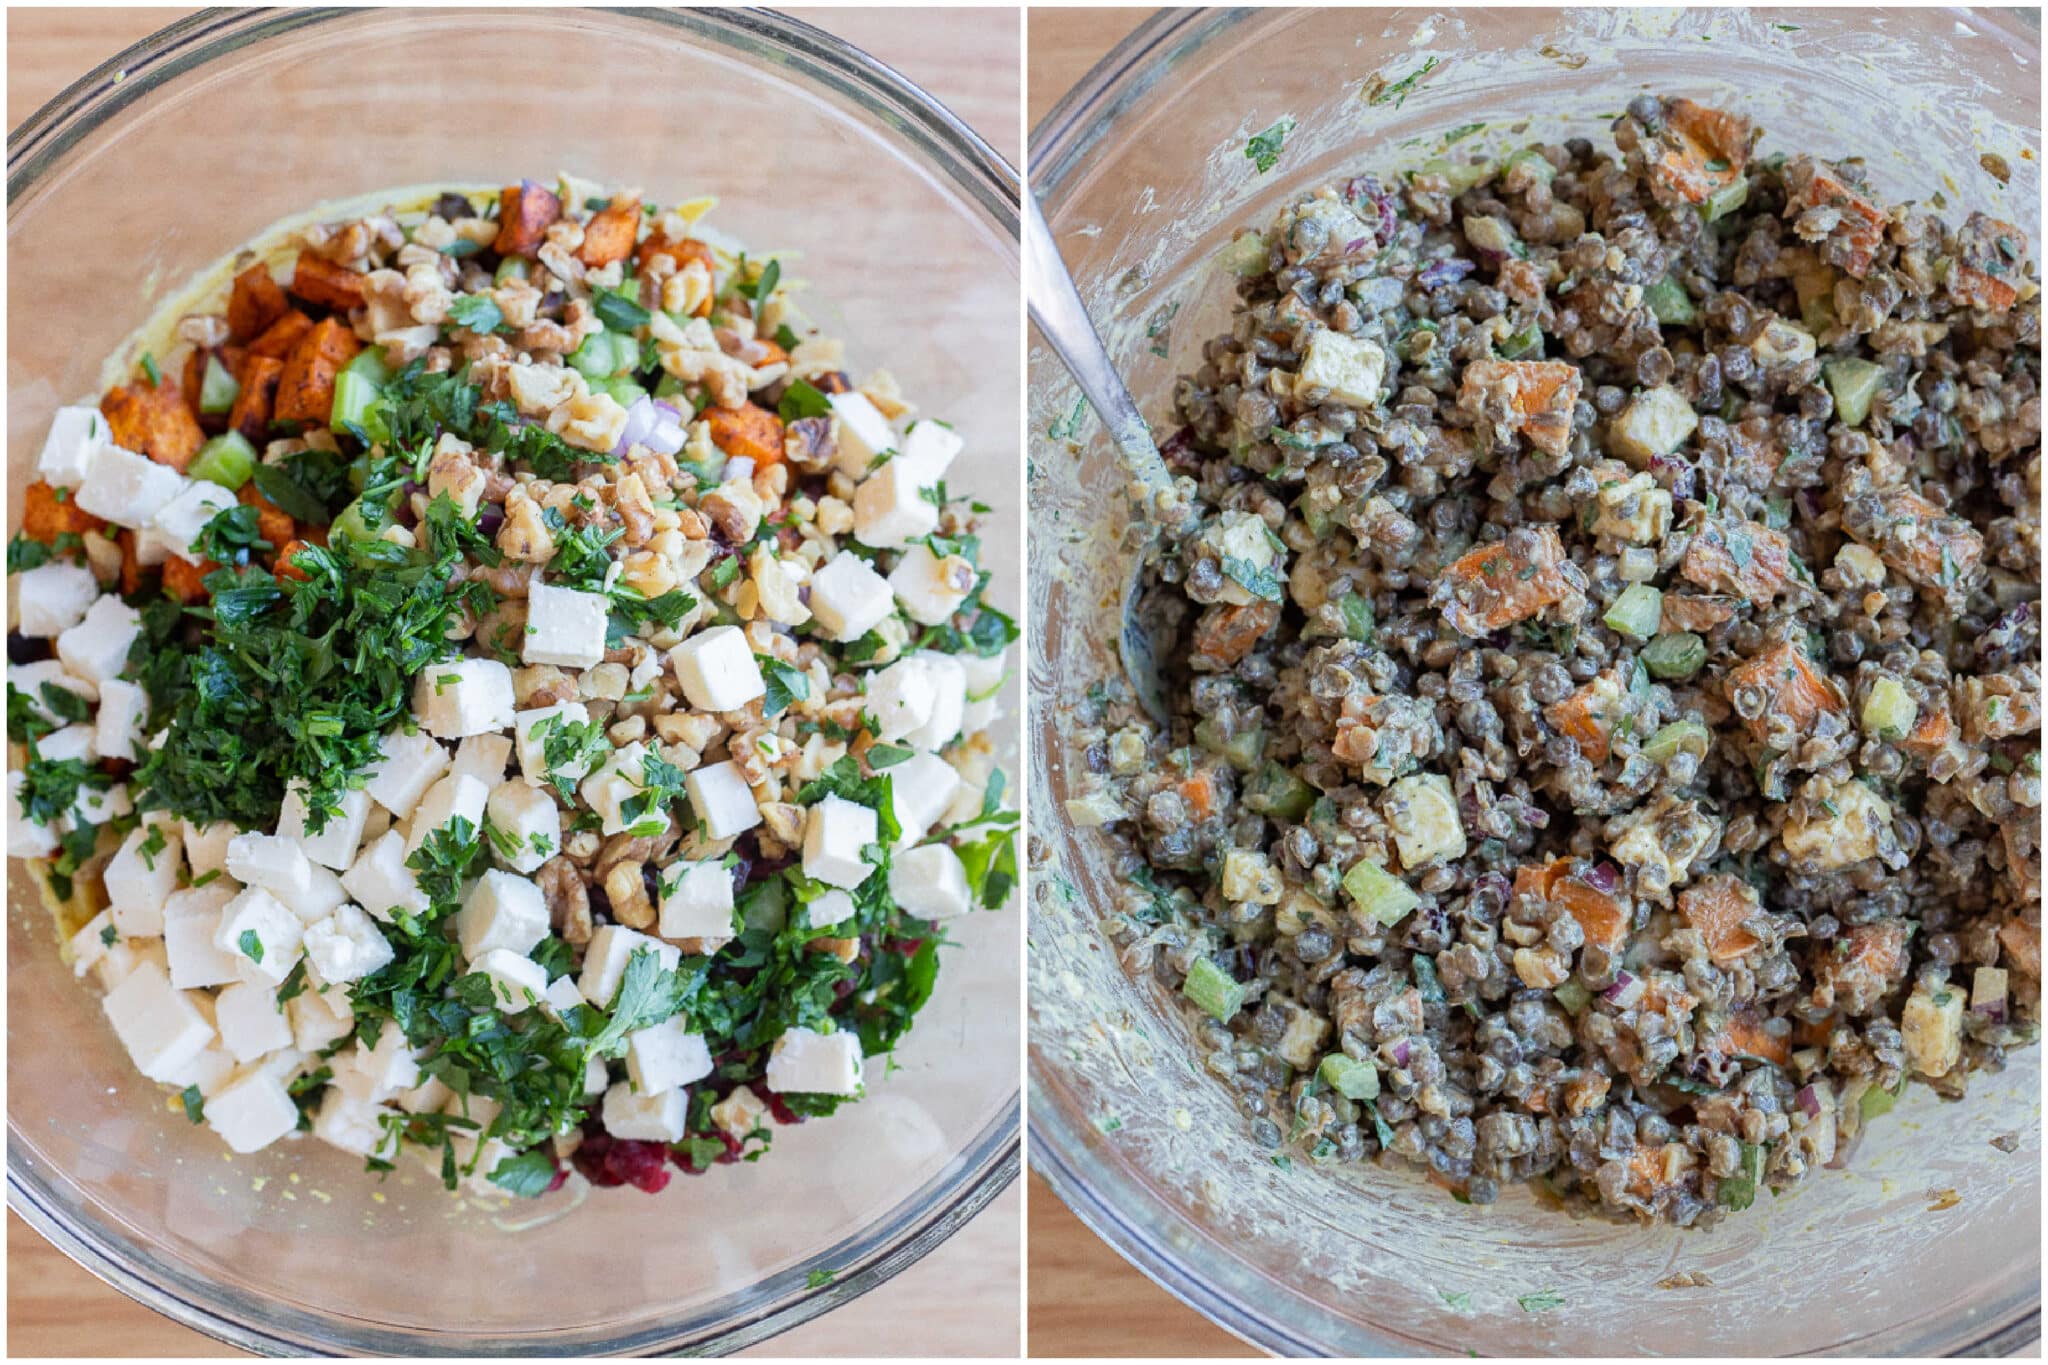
{"type": "Point", "coordinates": [779, 1107]}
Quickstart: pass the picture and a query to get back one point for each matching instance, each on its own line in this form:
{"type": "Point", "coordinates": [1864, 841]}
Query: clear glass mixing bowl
{"type": "Point", "coordinates": [173, 154]}
{"type": "Point", "coordinates": [1142, 173]}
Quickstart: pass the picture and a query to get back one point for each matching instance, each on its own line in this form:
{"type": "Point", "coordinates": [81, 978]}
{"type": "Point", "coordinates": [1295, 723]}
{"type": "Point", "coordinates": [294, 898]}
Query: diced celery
{"type": "Point", "coordinates": [228, 460]}
{"type": "Point", "coordinates": [1678, 655]}
{"type": "Point", "coordinates": [601, 356]}
{"type": "Point", "coordinates": [668, 387]}
{"type": "Point", "coordinates": [1212, 989]}
{"type": "Point", "coordinates": [354, 396]}
{"type": "Point", "coordinates": [217, 388]}
{"type": "Point", "coordinates": [1523, 344]}
{"type": "Point", "coordinates": [1854, 383]}
{"type": "Point", "coordinates": [1878, 1100]}
{"type": "Point", "coordinates": [1726, 200]}
{"type": "Point", "coordinates": [1889, 711]}
{"type": "Point", "coordinates": [351, 525]}
{"type": "Point", "coordinates": [1349, 1077]}
{"type": "Point", "coordinates": [1538, 164]}
{"type": "Point", "coordinates": [1461, 175]}
{"type": "Point", "coordinates": [1356, 609]}
{"type": "Point", "coordinates": [1097, 808]}
{"type": "Point", "coordinates": [371, 365]}
{"type": "Point", "coordinates": [511, 268]}
{"type": "Point", "coordinates": [1636, 612]}
{"type": "Point", "coordinates": [1246, 255]}
{"type": "Point", "coordinates": [1817, 314]}
{"type": "Point", "coordinates": [623, 390]}
{"type": "Point", "coordinates": [1275, 790]}
{"type": "Point", "coordinates": [1669, 303]}
{"type": "Point", "coordinates": [1573, 997]}
{"type": "Point", "coordinates": [1379, 894]}
{"type": "Point", "coordinates": [1679, 737]}
{"type": "Point", "coordinates": [1242, 749]}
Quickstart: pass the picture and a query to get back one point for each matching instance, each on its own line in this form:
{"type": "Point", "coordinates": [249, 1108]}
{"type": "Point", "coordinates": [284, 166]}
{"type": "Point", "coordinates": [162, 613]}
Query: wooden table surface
{"type": "Point", "coordinates": [1085, 1299]}
{"type": "Point", "coordinates": [962, 1299]}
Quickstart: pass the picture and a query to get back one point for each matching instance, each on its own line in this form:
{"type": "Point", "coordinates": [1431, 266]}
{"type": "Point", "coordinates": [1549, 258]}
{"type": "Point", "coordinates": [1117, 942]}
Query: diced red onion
{"type": "Point", "coordinates": [639, 421]}
{"type": "Point", "coordinates": [490, 519]}
{"type": "Point", "coordinates": [739, 468]}
{"type": "Point", "coordinates": [1604, 877]}
{"type": "Point", "coordinates": [668, 410]}
{"type": "Point", "coordinates": [1994, 1010]}
{"type": "Point", "coordinates": [1441, 272]}
{"type": "Point", "coordinates": [1808, 1100]}
{"type": "Point", "coordinates": [1622, 981]}
{"type": "Point", "coordinates": [1179, 449]}
{"type": "Point", "coordinates": [1401, 1053]}
{"type": "Point", "coordinates": [666, 437]}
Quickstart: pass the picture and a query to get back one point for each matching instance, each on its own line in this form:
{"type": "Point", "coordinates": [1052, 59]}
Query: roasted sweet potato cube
{"type": "Point", "coordinates": [1227, 633]}
{"type": "Point", "coordinates": [187, 581]}
{"type": "Point", "coordinates": [1849, 227]}
{"type": "Point", "coordinates": [609, 235]}
{"type": "Point", "coordinates": [1590, 714]}
{"type": "Point", "coordinates": [281, 562]}
{"type": "Point", "coordinates": [2022, 944]}
{"type": "Point", "coordinates": [525, 213]}
{"type": "Point", "coordinates": [272, 522]}
{"type": "Point", "coordinates": [1602, 918]}
{"type": "Point", "coordinates": [319, 280]}
{"type": "Point", "coordinates": [1494, 586]}
{"type": "Point", "coordinates": [1744, 1035]}
{"type": "Point", "coordinates": [1700, 150]}
{"type": "Point", "coordinates": [682, 252]}
{"type": "Point", "coordinates": [154, 420]}
{"type": "Point", "coordinates": [1717, 907]}
{"type": "Point", "coordinates": [1533, 397]}
{"type": "Point", "coordinates": [751, 432]}
{"type": "Point", "coordinates": [305, 390]}
{"type": "Point", "coordinates": [50, 512]}
{"type": "Point", "coordinates": [1789, 686]}
{"type": "Point", "coordinates": [1990, 256]}
{"type": "Point", "coordinates": [281, 336]}
{"type": "Point", "coordinates": [1745, 559]}
{"type": "Point", "coordinates": [132, 572]}
{"type": "Point", "coordinates": [254, 303]}
{"type": "Point", "coordinates": [1861, 967]}
{"type": "Point", "coordinates": [253, 404]}
{"type": "Point", "coordinates": [1929, 546]}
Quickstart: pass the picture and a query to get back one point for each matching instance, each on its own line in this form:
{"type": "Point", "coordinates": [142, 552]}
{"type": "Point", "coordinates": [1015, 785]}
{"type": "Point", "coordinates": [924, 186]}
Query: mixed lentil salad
{"type": "Point", "coordinates": [1603, 747]}
{"type": "Point", "coordinates": [504, 694]}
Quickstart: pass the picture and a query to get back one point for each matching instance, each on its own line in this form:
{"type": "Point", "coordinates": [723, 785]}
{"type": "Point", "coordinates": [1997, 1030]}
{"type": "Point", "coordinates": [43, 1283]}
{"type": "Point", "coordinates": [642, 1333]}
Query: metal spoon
{"type": "Point", "coordinates": [1056, 308]}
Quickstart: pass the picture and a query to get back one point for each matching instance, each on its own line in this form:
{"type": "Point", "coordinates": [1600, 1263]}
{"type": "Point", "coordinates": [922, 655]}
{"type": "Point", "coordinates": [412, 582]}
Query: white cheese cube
{"type": "Point", "coordinates": [390, 1066]}
{"type": "Point", "coordinates": [186, 515]}
{"type": "Point", "coordinates": [848, 598]}
{"type": "Point", "coordinates": [1655, 423]}
{"type": "Point", "coordinates": [532, 729]}
{"type": "Point", "coordinates": [78, 742]}
{"type": "Point", "coordinates": [985, 679]}
{"type": "Point", "coordinates": [96, 649]}
{"type": "Point", "coordinates": [210, 1070]}
{"type": "Point", "coordinates": [275, 939]}
{"type": "Point", "coordinates": [92, 941]}
{"type": "Point", "coordinates": [1932, 1027]}
{"type": "Point", "coordinates": [277, 865]}
{"type": "Point", "coordinates": [720, 796]}
{"type": "Point", "coordinates": [1835, 824]}
{"type": "Point", "coordinates": [484, 757]}
{"type": "Point", "coordinates": [453, 798]}
{"type": "Point", "coordinates": [597, 1077]}
{"type": "Point", "coordinates": [564, 627]}
{"type": "Point", "coordinates": [336, 843]}
{"type": "Point", "coordinates": [860, 433]}
{"type": "Point", "coordinates": [891, 509]}
{"type": "Point", "coordinates": [122, 719]}
{"type": "Point", "coordinates": [53, 598]}
{"type": "Point", "coordinates": [128, 956]}
{"type": "Point", "coordinates": [349, 1123]}
{"type": "Point", "coordinates": [319, 1019]}
{"type": "Point", "coordinates": [829, 908]}
{"type": "Point", "coordinates": [517, 983]}
{"type": "Point", "coordinates": [1352, 369]}
{"type": "Point", "coordinates": [931, 589]}
{"type": "Point", "coordinates": [76, 435]}
{"type": "Point", "coordinates": [1423, 812]}
{"type": "Point", "coordinates": [921, 787]}
{"type": "Point", "coordinates": [605, 958]}
{"type": "Point", "coordinates": [250, 1021]}
{"type": "Point", "coordinates": [526, 826]}
{"type": "Point", "coordinates": [931, 446]}
{"type": "Point", "coordinates": [615, 782]}
{"type": "Point", "coordinates": [380, 882]}
{"type": "Point", "coordinates": [949, 702]}
{"type": "Point", "coordinates": [717, 670]}
{"type": "Point", "coordinates": [411, 763]}
{"type": "Point", "coordinates": [347, 945]}
{"type": "Point", "coordinates": [645, 1118]}
{"type": "Point", "coordinates": [930, 883]}
{"type": "Point", "coordinates": [560, 997]}
{"type": "Point", "coordinates": [739, 1113]}
{"type": "Point", "coordinates": [96, 806]}
{"type": "Point", "coordinates": [325, 895]}
{"type": "Point", "coordinates": [31, 679]}
{"type": "Point", "coordinates": [206, 848]}
{"type": "Point", "coordinates": [835, 833]}
{"type": "Point", "coordinates": [463, 697]}
{"type": "Point", "coordinates": [696, 901]}
{"type": "Point", "coordinates": [665, 1056]}
{"type": "Point", "coordinates": [806, 1062]}
{"type": "Point", "coordinates": [26, 838]}
{"type": "Point", "coordinates": [252, 1112]}
{"type": "Point", "coordinates": [139, 877]}
{"type": "Point", "coordinates": [127, 489]}
{"type": "Point", "coordinates": [158, 1023]}
{"type": "Point", "coordinates": [430, 1096]}
{"type": "Point", "coordinates": [191, 920]}
{"type": "Point", "coordinates": [901, 697]}
{"type": "Point", "coordinates": [501, 911]}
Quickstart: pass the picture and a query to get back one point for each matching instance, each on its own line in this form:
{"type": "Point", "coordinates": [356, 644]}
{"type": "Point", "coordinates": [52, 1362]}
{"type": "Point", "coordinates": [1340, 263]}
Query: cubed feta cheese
{"type": "Point", "coordinates": [517, 983]}
{"type": "Point", "coordinates": [96, 806]}
{"type": "Point", "coordinates": [949, 702]}
{"type": "Point", "coordinates": [76, 435]}
{"type": "Point", "coordinates": [665, 1056]}
{"type": "Point", "coordinates": [430, 1096]}
{"type": "Point", "coordinates": [26, 838]}
{"type": "Point", "coordinates": [1633, 510]}
{"type": "Point", "coordinates": [501, 911]}
{"type": "Point", "coordinates": [463, 697]}
{"type": "Point", "coordinates": [484, 757]}
{"type": "Point", "coordinates": [264, 938]}
{"type": "Point", "coordinates": [347, 945]}
{"type": "Point", "coordinates": [346, 1122]}
{"type": "Point", "coordinates": [717, 670]}
{"type": "Point", "coordinates": [828, 909]}
{"type": "Point", "coordinates": [453, 798]}
{"type": "Point", "coordinates": [380, 881]}
{"type": "Point", "coordinates": [336, 843]}
{"type": "Point", "coordinates": [605, 958]}
{"type": "Point", "coordinates": [1655, 423]}
{"type": "Point", "coordinates": [720, 796]}
{"type": "Point", "coordinates": [127, 956]}
{"type": "Point", "coordinates": [277, 865]}
{"type": "Point", "coordinates": [158, 1023]}
{"type": "Point", "coordinates": [191, 920]}
{"type": "Point", "coordinates": [835, 834]}
{"type": "Point", "coordinates": [122, 719]}
{"type": "Point", "coordinates": [1352, 369]}
{"type": "Point", "coordinates": [127, 489]}
{"type": "Point", "coordinates": [186, 515]}
{"type": "Point", "coordinates": [929, 882]}
{"type": "Point", "coordinates": [890, 508]}
{"type": "Point", "coordinates": [78, 742]}
{"type": "Point", "coordinates": [206, 847]}
{"type": "Point", "coordinates": [252, 1112]}
{"type": "Point", "coordinates": [1834, 824]}
{"type": "Point", "coordinates": [526, 826]}
{"type": "Point", "coordinates": [921, 787]}
{"type": "Point", "coordinates": [902, 696]}
{"type": "Point", "coordinates": [96, 649]}
{"type": "Point", "coordinates": [53, 598]}
{"type": "Point", "coordinates": [696, 901]}
{"type": "Point", "coordinates": [388, 1067]}
{"type": "Point", "coordinates": [985, 679]}
{"type": "Point", "coordinates": [211, 1069]}
{"type": "Point", "coordinates": [31, 679]}
{"type": "Point", "coordinates": [859, 435]}
{"type": "Point", "coordinates": [806, 1062]}
{"type": "Point", "coordinates": [319, 1019]}
{"type": "Point", "coordinates": [533, 728]}
{"type": "Point", "coordinates": [1423, 812]}
{"type": "Point", "coordinates": [930, 446]}
{"type": "Point", "coordinates": [848, 598]}
{"type": "Point", "coordinates": [1932, 1027]}
{"type": "Point", "coordinates": [410, 764]}
{"type": "Point", "coordinates": [645, 1118]}
{"type": "Point", "coordinates": [560, 997]}
{"type": "Point", "coordinates": [91, 942]}
{"type": "Point", "coordinates": [931, 589]}
{"type": "Point", "coordinates": [564, 627]}
{"type": "Point", "coordinates": [139, 877]}
{"type": "Point", "coordinates": [613, 783]}
{"type": "Point", "coordinates": [739, 1113]}
{"type": "Point", "coordinates": [250, 1021]}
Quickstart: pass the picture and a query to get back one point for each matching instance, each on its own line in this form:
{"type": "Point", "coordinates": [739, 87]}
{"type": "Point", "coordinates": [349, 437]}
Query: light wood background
{"type": "Point", "coordinates": [961, 1300]}
{"type": "Point", "coordinates": [1085, 1299]}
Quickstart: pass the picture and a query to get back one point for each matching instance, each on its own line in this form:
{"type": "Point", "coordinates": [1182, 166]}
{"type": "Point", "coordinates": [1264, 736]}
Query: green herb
{"type": "Point", "coordinates": [109, 936]}
{"type": "Point", "coordinates": [618, 312]}
{"type": "Point", "coordinates": [888, 755]}
{"type": "Point", "coordinates": [581, 558]}
{"type": "Point", "coordinates": [252, 946]}
{"type": "Point", "coordinates": [801, 400]}
{"type": "Point", "coordinates": [1399, 91]}
{"type": "Point", "coordinates": [195, 1104]}
{"type": "Point", "coordinates": [231, 537]}
{"type": "Point", "coordinates": [1067, 426]}
{"type": "Point", "coordinates": [764, 287]}
{"type": "Point", "coordinates": [1541, 1301]}
{"type": "Point", "coordinates": [786, 684]}
{"type": "Point", "coordinates": [149, 368]}
{"type": "Point", "coordinates": [478, 312]}
{"type": "Point", "coordinates": [1738, 1191]}
{"type": "Point", "coordinates": [1462, 131]}
{"type": "Point", "coordinates": [1263, 151]}
{"type": "Point", "coordinates": [1458, 1302]}
{"type": "Point", "coordinates": [527, 1174]}
{"type": "Point", "coordinates": [818, 1279]}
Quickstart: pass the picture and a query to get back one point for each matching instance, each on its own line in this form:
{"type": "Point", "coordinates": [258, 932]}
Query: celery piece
{"type": "Point", "coordinates": [354, 396]}
{"type": "Point", "coordinates": [1854, 383]}
{"type": "Point", "coordinates": [511, 268]}
{"type": "Point", "coordinates": [1889, 711]}
{"type": "Point", "coordinates": [1212, 989]}
{"type": "Point", "coordinates": [1349, 1077]}
{"type": "Point", "coordinates": [1523, 344]}
{"type": "Point", "coordinates": [1356, 608]}
{"type": "Point", "coordinates": [370, 364]}
{"type": "Point", "coordinates": [1538, 164]}
{"type": "Point", "coordinates": [1878, 1100]}
{"type": "Point", "coordinates": [228, 460]}
{"type": "Point", "coordinates": [1679, 737]}
{"type": "Point", "coordinates": [1246, 255]}
{"type": "Point", "coordinates": [217, 388]}
{"type": "Point", "coordinates": [1636, 612]}
{"type": "Point", "coordinates": [1275, 790]}
{"type": "Point", "coordinates": [1726, 200]}
{"type": "Point", "coordinates": [598, 358]}
{"type": "Point", "coordinates": [1461, 175]}
{"type": "Point", "coordinates": [1379, 894]}
{"type": "Point", "coordinates": [1573, 997]}
{"type": "Point", "coordinates": [1242, 749]}
{"type": "Point", "coordinates": [1676, 655]}
{"type": "Point", "coordinates": [1669, 303]}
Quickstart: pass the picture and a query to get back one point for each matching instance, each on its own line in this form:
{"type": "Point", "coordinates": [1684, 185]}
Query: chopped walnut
{"type": "Point", "coordinates": [568, 899]}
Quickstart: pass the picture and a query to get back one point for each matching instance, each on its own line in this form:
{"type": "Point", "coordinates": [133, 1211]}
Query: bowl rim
{"type": "Point", "coordinates": [990, 1162]}
{"type": "Point", "coordinates": [1141, 1228]}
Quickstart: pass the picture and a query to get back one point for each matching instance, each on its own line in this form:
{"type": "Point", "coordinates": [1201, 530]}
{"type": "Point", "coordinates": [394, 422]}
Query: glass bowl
{"type": "Point", "coordinates": [172, 155]}
{"type": "Point", "coordinates": [1143, 176]}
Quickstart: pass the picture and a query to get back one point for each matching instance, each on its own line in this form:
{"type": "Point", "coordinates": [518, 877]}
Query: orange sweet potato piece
{"type": "Point", "coordinates": [1744, 558]}
{"type": "Point", "coordinates": [1602, 918]}
{"type": "Point", "coordinates": [305, 389]}
{"type": "Point", "coordinates": [1590, 714]}
{"type": "Point", "coordinates": [187, 581]}
{"type": "Point", "coordinates": [751, 432]}
{"type": "Point", "coordinates": [282, 564]}
{"type": "Point", "coordinates": [1989, 258]}
{"type": "Point", "coordinates": [319, 280]}
{"type": "Point", "coordinates": [1717, 906]}
{"type": "Point", "coordinates": [1491, 587]}
{"type": "Point", "coordinates": [1226, 633]}
{"type": "Point", "coordinates": [272, 522]}
{"type": "Point", "coordinates": [609, 235]}
{"type": "Point", "coordinates": [253, 404]}
{"type": "Point", "coordinates": [525, 213]}
{"type": "Point", "coordinates": [682, 253]}
{"type": "Point", "coordinates": [1927, 544]}
{"type": "Point", "coordinates": [1649, 1171]}
{"type": "Point", "coordinates": [278, 339]}
{"type": "Point", "coordinates": [48, 513]}
{"type": "Point", "coordinates": [1199, 791]}
{"type": "Point", "coordinates": [1858, 969]}
{"type": "Point", "coordinates": [1745, 1036]}
{"type": "Point", "coordinates": [1701, 150]}
{"type": "Point", "coordinates": [154, 421]}
{"type": "Point", "coordinates": [2022, 944]}
{"type": "Point", "coordinates": [1533, 397]}
{"type": "Point", "coordinates": [254, 303]}
{"type": "Point", "coordinates": [1853, 241]}
{"type": "Point", "coordinates": [1795, 689]}
{"type": "Point", "coordinates": [132, 572]}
